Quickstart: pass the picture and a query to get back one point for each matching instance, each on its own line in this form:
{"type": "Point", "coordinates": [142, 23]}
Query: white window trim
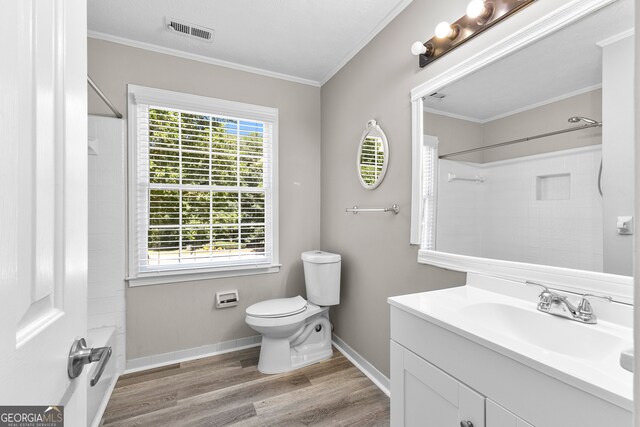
{"type": "Point", "coordinates": [429, 141]}
{"type": "Point", "coordinates": [140, 94]}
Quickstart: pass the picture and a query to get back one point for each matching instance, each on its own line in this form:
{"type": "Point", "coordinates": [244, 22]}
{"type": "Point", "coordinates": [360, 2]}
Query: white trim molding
{"type": "Point", "coordinates": [545, 102]}
{"type": "Point", "coordinates": [619, 287]}
{"type": "Point", "coordinates": [159, 360]}
{"type": "Point", "coordinates": [516, 111]}
{"type": "Point", "coordinates": [402, 4]}
{"type": "Point", "coordinates": [365, 41]}
{"type": "Point", "coordinates": [377, 377]}
{"type": "Point", "coordinates": [105, 401]}
{"type": "Point", "coordinates": [138, 276]}
{"type": "Point", "coordinates": [623, 35]}
{"type": "Point", "coordinates": [417, 108]}
{"type": "Point", "coordinates": [200, 58]}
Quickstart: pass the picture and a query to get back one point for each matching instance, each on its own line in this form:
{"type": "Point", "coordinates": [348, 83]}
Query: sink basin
{"type": "Point", "coordinates": [501, 316]}
{"type": "Point", "coordinates": [550, 333]}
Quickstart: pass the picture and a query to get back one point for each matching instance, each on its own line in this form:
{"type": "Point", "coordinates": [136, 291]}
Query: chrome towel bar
{"type": "Point", "coordinates": [476, 178]}
{"type": "Point", "coordinates": [395, 209]}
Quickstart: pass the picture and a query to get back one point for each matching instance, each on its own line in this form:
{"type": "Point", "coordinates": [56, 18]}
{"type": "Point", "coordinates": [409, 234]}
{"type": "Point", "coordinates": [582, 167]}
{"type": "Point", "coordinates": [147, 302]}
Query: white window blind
{"type": "Point", "coordinates": [371, 159]}
{"type": "Point", "coordinates": [429, 191]}
{"type": "Point", "coordinates": [204, 190]}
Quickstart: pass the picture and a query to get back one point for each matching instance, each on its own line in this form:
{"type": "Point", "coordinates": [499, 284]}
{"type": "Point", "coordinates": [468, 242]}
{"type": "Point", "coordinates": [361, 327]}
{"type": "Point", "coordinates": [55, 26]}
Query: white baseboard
{"type": "Point", "coordinates": [164, 359]}
{"type": "Point", "coordinates": [361, 363]}
{"type": "Point", "coordinates": [105, 401]}
{"type": "Point", "coordinates": [159, 360]}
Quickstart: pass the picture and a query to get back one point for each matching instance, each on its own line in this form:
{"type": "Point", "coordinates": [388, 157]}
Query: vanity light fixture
{"type": "Point", "coordinates": [480, 15]}
{"type": "Point", "coordinates": [480, 10]}
{"type": "Point", "coordinates": [444, 30]}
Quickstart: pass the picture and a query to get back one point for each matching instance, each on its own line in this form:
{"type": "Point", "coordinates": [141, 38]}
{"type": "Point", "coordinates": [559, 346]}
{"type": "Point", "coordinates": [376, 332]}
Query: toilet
{"type": "Point", "coordinates": [297, 332]}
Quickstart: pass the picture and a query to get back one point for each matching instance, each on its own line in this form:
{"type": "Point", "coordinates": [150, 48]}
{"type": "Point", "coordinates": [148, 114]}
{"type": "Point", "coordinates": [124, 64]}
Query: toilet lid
{"type": "Point", "coordinates": [279, 307]}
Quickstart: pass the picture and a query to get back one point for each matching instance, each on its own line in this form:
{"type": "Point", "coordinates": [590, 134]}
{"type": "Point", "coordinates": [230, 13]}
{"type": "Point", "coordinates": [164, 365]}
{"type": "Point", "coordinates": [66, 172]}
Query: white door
{"type": "Point", "coordinates": [43, 202]}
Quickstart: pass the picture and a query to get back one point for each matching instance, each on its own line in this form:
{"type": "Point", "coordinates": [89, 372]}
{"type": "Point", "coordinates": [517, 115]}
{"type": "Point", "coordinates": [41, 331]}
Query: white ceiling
{"type": "Point", "coordinates": [301, 40]}
{"type": "Point", "coordinates": [568, 61]}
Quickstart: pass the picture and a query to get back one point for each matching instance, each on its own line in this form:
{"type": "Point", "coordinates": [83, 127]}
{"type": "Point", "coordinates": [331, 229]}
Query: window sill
{"type": "Point", "coordinates": [166, 277]}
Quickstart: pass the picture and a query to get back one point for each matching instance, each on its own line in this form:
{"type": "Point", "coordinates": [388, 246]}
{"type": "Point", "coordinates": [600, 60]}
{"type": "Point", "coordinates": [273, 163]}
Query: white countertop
{"type": "Point", "coordinates": [501, 315]}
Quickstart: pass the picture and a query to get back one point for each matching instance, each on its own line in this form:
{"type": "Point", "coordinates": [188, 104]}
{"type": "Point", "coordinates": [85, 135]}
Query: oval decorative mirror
{"type": "Point", "coordinates": [373, 156]}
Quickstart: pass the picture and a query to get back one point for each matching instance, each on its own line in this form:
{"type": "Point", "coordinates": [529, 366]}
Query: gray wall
{"type": "Point", "coordinates": [546, 118]}
{"type": "Point", "coordinates": [166, 318]}
{"type": "Point", "coordinates": [457, 134]}
{"type": "Point", "coordinates": [378, 261]}
{"type": "Point", "coordinates": [619, 144]}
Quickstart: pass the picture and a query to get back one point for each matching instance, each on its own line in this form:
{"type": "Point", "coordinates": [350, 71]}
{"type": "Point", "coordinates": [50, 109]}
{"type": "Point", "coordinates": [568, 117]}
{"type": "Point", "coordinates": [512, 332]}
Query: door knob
{"type": "Point", "coordinates": [466, 424]}
{"type": "Point", "coordinates": [81, 355]}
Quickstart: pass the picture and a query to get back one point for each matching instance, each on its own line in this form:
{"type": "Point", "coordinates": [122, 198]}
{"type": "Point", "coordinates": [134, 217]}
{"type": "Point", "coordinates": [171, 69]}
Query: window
{"type": "Point", "coordinates": [429, 192]}
{"type": "Point", "coordinates": [202, 195]}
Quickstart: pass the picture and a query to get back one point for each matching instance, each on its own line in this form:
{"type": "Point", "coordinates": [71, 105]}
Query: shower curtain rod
{"type": "Point", "coordinates": [516, 141]}
{"type": "Point", "coordinates": [103, 97]}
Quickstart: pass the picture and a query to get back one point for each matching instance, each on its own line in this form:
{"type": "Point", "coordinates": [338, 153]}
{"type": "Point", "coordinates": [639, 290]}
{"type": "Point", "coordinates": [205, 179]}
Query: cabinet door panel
{"type": "Point", "coordinates": [424, 406]}
{"type": "Point", "coordinates": [497, 416]}
{"type": "Point", "coordinates": [470, 406]}
{"type": "Point", "coordinates": [425, 396]}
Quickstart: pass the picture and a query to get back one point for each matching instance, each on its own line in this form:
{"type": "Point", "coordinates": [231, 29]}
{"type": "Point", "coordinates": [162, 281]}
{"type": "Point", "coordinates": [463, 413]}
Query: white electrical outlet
{"type": "Point", "coordinates": [625, 225]}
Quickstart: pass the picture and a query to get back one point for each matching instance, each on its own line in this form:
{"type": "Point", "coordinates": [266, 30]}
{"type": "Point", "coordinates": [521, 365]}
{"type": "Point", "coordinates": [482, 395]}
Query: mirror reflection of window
{"type": "Point", "coordinates": [371, 159]}
{"type": "Point", "coordinates": [429, 193]}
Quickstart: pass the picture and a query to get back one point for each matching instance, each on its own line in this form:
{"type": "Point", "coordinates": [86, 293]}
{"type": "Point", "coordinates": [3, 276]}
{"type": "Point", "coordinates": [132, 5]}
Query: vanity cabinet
{"type": "Point", "coordinates": [497, 416]}
{"type": "Point", "coordinates": [442, 376]}
{"type": "Point", "coordinates": [423, 395]}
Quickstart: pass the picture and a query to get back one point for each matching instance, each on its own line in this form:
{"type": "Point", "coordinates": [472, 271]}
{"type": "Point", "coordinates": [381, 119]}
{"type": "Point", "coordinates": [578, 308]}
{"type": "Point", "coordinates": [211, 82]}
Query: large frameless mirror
{"type": "Point", "coordinates": [534, 162]}
{"type": "Point", "coordinates": [373, 156]}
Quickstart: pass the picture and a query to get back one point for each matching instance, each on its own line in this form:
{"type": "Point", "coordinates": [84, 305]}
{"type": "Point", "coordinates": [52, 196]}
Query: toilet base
{"type": "Point", "coordinates": [306, 347]}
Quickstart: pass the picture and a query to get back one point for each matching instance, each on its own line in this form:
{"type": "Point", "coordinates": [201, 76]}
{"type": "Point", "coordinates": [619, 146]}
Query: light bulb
{"type": "Point", "coordinates": [418, 48]}
{"type": "Point", "coordinates": [475, 8]}
{"type": "Point", "coordinates": [443, 30]}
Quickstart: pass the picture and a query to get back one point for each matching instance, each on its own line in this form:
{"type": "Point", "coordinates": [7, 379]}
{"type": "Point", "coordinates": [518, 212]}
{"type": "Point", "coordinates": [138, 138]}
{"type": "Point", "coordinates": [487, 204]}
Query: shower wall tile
{"type": "Point", "coordinates": [106, 274]}
{"type": "Point", "coordinates": [502, 218]}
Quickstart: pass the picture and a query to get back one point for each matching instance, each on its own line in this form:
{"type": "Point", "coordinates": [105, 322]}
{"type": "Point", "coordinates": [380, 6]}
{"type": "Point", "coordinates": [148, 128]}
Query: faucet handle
{"type": "Point", "coordinates": [602, 297]}
{"type": "Point", "coordinates": [530, 283]}
{"type": "Point", "coordinates": [585, 309]}
{"type": "Point", "coordinates": [546, 296]}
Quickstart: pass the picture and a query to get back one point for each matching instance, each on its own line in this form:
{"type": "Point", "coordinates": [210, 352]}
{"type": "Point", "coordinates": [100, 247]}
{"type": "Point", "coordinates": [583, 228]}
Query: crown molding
{"type": "Point", "coordinates": [200, 58]}
{"type": "Point", "coordinates": [374, 32]}
{"type": "Point", "coordinates": [452, 115]}
{"type": "Point", "coordinates": [616, 38]}
{"type": "Point", "coordinates": [518, 110]}
{"type": "Point", "coordinates": [545, 102]}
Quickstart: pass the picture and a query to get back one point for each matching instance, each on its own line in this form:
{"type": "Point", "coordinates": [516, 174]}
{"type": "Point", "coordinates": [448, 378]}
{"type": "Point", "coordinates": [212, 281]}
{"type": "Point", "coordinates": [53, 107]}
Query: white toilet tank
{"type": "Point", "coordinates": [322, 277]}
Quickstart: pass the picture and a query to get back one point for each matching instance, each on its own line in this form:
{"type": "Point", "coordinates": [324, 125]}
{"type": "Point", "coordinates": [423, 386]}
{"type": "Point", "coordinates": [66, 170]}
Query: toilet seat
{"type": "Point", "coordinates": [278, 307]}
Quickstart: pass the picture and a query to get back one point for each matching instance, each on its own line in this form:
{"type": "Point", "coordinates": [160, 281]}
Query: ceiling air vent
{"type": "Point", "coordinates": [196, 31]}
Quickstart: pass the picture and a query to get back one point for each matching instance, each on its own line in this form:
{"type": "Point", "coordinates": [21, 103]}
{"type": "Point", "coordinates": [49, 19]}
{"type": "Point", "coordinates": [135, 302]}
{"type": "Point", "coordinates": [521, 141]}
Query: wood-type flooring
{"type": "Point", "coordinates": [228, 390]}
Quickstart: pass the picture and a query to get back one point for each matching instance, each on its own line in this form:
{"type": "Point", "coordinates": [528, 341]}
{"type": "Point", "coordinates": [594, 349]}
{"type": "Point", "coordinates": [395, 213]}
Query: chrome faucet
{"type": "Point", "coordinates": [559, 305]}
